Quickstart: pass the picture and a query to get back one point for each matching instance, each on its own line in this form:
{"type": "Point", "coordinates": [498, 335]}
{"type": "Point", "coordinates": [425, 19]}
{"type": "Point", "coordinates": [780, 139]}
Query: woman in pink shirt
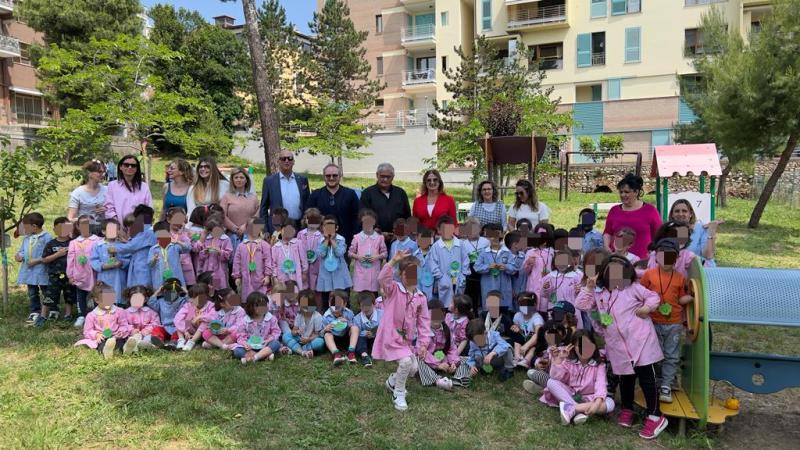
{"type": "Point", "coordinates": [240, 205]}
{"type": "Point", "coordinates": [641, 217]}
{"type": "Point", "coordinates": [127, 191]}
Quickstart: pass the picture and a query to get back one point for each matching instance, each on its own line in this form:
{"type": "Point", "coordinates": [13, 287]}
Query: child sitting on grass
{"type": "Point", "coordinates": [106, 327]}
{"type": "Point", "coordinates": [260, 338]}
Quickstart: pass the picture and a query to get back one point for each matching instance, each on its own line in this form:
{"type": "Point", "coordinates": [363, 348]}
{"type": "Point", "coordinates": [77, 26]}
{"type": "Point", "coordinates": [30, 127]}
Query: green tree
{"type": "Point", "coordinates": [332, 129]}
{"type": "Point", "coordinates": [481, 79]}
{"type": "Point", "coordinates": [752, 94]}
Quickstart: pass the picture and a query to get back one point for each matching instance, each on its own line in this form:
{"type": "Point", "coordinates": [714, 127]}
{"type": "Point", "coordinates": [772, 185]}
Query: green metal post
{"type": "Point", "coordinates": [713, 198]}
{"type": "Point", "coordinates": [665, 200]}
{"type": "Point", "coordinates": [658, 193]}
{"type": "Point", "coordinates": [702, 184]}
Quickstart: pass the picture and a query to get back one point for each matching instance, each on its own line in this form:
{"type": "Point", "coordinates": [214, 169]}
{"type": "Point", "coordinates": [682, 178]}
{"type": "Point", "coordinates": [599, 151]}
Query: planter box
{"type": "Point", "coordinates": [513, 149]}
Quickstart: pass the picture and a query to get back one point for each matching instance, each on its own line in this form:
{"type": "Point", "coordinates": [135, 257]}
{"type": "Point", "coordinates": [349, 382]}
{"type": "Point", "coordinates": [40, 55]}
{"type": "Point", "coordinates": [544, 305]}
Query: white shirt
{"type": "Point", "coordinates": [290, 195]}
{"type": "Point", "coordinates": [525, 212]}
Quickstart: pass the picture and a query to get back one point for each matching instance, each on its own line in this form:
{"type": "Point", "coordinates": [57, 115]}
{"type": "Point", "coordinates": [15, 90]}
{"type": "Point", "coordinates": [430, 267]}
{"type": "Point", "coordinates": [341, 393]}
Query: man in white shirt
{"type": "Point", "coordinates": [284, 189]}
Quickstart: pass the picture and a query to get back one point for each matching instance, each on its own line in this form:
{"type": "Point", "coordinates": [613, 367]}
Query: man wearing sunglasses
{"type": "Point", "coordinates": [337, 200]}
{"type": "Point", "coordinates": [284, 189]}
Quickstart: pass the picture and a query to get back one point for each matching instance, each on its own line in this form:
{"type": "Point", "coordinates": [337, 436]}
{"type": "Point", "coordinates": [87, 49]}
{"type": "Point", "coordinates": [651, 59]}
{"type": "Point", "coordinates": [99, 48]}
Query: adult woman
{"type": "Point", "coordinates": [487, 209]}
{"type": "Point", "coordinates": [641, 217]}
{"type": "Point", "coordinates": [209, 187]}
{"type": "Point", "coordinates": [180, 176]}
{"type": "Point", "coordinates": [128, 190]}
{"type": "Point", "coordinates": [89, 198]}
{"type": "Point", "coordinates": [432, 202]}
{"type": "Point", "coordinates": [703, 237]}
{"type": "Point", "coordinates": [527, 206]}
{"type": "Point", "coordinates": [239, 204]}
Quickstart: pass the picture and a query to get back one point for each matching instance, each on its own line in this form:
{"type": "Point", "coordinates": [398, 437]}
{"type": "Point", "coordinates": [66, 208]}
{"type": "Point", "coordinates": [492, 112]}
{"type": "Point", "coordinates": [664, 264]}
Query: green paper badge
{"type": "Point", "coordinates": [595, 315]}
{"type": "Point", "coordinates": [311, 255]}
{"type": "Point", "coordinates": [473, 256]}
{"type": "Point", "coordinates": [494, 271]}
{"type": "Point", "coordinates": [112, 260]}
{"type": "Point", "coordinates": [439, 355]}
{"type": "Point", "coordinates": [168, 274]}
{"type": "Point", "coordinates": [255, 342]}
{"type": "Point", "coordinates": [252, 266]}
{"type": "Point", "coordinates": [578, 397]}
{"type": "Point", "coordinates": [665, 309]}
{"type": "Point", "coordinates": [487, 368]}
{"type": "Point", "coordinates": [82, 260]}
{"type": "Point", "coordinates": [606, 319]}
{"type": "Point", "coordinates": [288, 266]}
{"type": "Point", "coordinates": [215, 326]}
{"type": "Point", "coordinates": [107, 333]}
{"type": "Point", "coordinates": [195, 237]}
{"type": "Point", "coordinates": [455, 266]}
{"type": "Point", "coordinates": [339, 326]}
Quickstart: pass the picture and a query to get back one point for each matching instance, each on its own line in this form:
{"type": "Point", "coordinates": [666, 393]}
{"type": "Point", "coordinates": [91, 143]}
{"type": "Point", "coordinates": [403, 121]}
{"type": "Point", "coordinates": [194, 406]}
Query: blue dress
{"type": "Point", "coordinates": [136, 251]}
{"type": "Point", "coordinates": [501, 279]}
{"type": "Point", "coordinates": [449, 265]}
{"type": "Point", "coordinates": [32, 248]}
{"type": "Point", "coordinates": [339, 277]}
{"type": "Point", "coordinates": [116, 278]}
{"type": "Point", "coordinates": [160, 271]}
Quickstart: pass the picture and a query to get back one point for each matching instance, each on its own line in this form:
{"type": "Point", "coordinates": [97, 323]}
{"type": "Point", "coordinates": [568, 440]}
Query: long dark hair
{"type": "Point", "coordinates": [533, 201]}
{"type": "Point", "coordinates": [136, 181]}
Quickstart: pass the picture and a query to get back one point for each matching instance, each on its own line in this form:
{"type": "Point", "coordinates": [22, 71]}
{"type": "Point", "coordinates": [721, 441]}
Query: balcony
{"type": "Point", "coordinates": [519, 2]}
{"type": "Point", "coordinates": [418, 36]}
{"type": "Point", "coordinates": [537, 17]}
{"type": "Point", "coordinates": [9, 47]}
{"type": "Point", "coordinates": [6, 6]}
{"type": "Point", "coordinates": [598, 59]}
{"type": "Point", "coordinates": [555, 63]}
{"type": "Point", "coordinates": [398, 120]}
{"type": "Point", "coordinates": [419, 77]}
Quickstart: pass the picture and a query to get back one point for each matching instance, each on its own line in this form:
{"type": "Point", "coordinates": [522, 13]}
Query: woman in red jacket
{"type": "Point", "coordinates": [432, 202]}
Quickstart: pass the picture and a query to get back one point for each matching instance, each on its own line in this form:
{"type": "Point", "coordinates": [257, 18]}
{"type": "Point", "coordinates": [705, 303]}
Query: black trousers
{"type": "Point", "coordinates": [647, 381]}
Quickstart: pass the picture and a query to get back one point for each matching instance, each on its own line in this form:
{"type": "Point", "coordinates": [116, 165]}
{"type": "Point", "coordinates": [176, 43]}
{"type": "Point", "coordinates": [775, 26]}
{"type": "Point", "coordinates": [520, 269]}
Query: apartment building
{"type": "Point", "coordinates": [614, 63]}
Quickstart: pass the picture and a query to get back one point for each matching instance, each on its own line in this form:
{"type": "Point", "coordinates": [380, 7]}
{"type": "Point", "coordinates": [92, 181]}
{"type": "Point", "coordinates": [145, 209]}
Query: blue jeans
{"type": "Point", "coordinates": [34, 298]}
{"type": "Point", "coordinates": [239, 352]}
{"type": "Point", "coordinates": [293, 342]}
{"type": "Point", "coordinates": [364, 345]}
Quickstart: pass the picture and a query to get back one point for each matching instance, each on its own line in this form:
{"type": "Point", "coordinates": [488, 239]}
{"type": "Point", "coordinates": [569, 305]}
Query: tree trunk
{"type": "Point", "coordinates": [722, 193]}
{"type": "Point", "coordinates": [4, 262]}
{"type": "Point", "coordinates": [266, 102]}
{"type": "Point", "coordinates": [755, 217]}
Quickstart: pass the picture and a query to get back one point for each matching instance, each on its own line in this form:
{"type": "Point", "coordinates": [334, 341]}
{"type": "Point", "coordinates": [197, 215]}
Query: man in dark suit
{"type": "Point", "coordinates": [284, 189]}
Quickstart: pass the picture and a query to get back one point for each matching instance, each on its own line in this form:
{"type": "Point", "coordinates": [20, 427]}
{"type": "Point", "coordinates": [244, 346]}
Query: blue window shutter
{"type": "Point", "coordinates": [599, 8]}
{"type": "Point", "coordinates": [589, 116]}
{"type": "Point", "coordinates": [618, 7]}
{"type": "Point", "coordinates": [614, 86]}
{"type": "Point", "coordinates": [486, 14]}
{"type": "Point", "coordinates": [409, 63]}
{"type": "Point", "coordinates": [685, 113]}
{"type": "Point", "coordinates": [597, 93]}
{"type": "Point", "coordinates": [660, 137]}
{"type": "Point", "coordinates": [584, 50]}
{"type": "Point", "coordinates": [633, 44]}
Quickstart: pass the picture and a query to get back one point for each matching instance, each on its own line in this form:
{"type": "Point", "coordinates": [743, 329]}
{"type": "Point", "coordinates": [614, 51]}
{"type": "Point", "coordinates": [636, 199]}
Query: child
{"type": "Point", "coordinates": [367, 321]}
{"type": "Point", "coordinates": [196, 231]}
{"type": "Point", "coordinates": [564, 281]}
{"type": "Point", "coordinates": [473, 245]}
{"type": "Point", "coordinates": [441, 354]}
{"type": "Point", "coordinates": [525, 329]}
{"type": "Point", "coordinates": [252, 263]}
{"type": "Point", "coordinates": [339, 331]}
{"type": "Point", "coordinates": [287, 310]}
{"type": "Point", "coordinates": [515, 242]}
{"type": "Point", "coordinates": [289, 259]}
{"type": "Point", "coordinates": [310, 239]}
{"type": "Point", "coordinates": [176, 217]}
{"type": "Point", "coordinates": [223, 331]}
{"type": "Point", "coordinates": [403, 239]}
{"type": "Point", "coordinates": [670, 285]}
{"type": "Point", "coordinates": [54, 257]}
{"type": "Point", "coordinates": [214, 252]}
{"type": "Point", "coordinates": [488, 351]}
{"type": "Point", "coordinates": [551, 337]}
{"type": "Point", "coordinates": [106, 328]}
{"type": "Point", "coordinates": [368, 250]}
{"type": "Point", "coordinates": [167, 301]}
{"type": "Point", "coordinates": [591, 238]}
{"type": "Point", "coordinates": [496, 266]}
{"type": "Point", "coordinates": [79, 271]}
{"type": "Point", "coordinates": [32, 271]}
{"type": "Point", "coordinates": [142, 319]}
{"type": "Point", "coordinates": [334, 273]}
{"type": "Point", "coordinates": [165, 256]}
{"type": "Point", "coordinates": [681, 233]}
{"type": "Point", "coordinates": [449, 263]}
{"type": "Point", "coordinates": [280, 217]}
{"type": "Point", "coordinates": [405, 315]}
{"type": "Point", "coordinates": [306, 336]}
{"type": "Point", "coordinates": [631, 341]}
{"type": "Point", "coordinates": [260, 337]}
{"type": "Point", "coordinates": [577, 381]}
{"type": "Point", "coordinates": [623, 241]}
{"type": "Point", "coordinates": [193, 317]}
{"type": "Point", "coordinates": [538, 260]}
{"type": "Point", "coordinates": [456, 320]}
{"type": "Point", "coordinates": [109, 268]}
{"type": "Point", "coordinates": [137, 248]}
{"type": "Point", "coordinates": [423, 254]}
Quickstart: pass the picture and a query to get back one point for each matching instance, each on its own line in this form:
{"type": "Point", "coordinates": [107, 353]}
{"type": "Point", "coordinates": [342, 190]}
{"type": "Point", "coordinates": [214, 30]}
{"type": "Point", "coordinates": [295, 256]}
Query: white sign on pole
{"type": "Point", "coordinates": [701, 203]}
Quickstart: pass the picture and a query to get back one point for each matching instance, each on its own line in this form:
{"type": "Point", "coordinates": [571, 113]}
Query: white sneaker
{"type": "Point", "coordinates": [188, 346]}
{"type": "Point", "coordinates": [145, 344]}
{"type": "Point", "coordinates": [108, 348]}
{"type": "Point", "coordinates": [79, 322]}
{"type": "Point", "coordinates": [180, 344]}
{"type": "Point", "coordinates": [399, 399]}
{"type": "Point", "coordinates": [32, 318]}
{"type": "Point", "coordinates": [531, 387]}
{"type": "Point", "coordinates": [53, 315]}
{"type": "Point", "coordinates": [444, 383]}
{"type": "Point", "coordinates": [131, 346]}
{"type": "Point", "coordinates": [665, 394]}
{"type": "Point", "coordinates": [390, 383]}
{"type": "Point", "coordinates": [205, 345]}
{"type": "Point", "coordinates": [580, 419]}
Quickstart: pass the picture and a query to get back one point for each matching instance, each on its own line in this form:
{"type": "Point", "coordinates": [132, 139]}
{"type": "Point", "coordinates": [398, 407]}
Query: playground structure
{"type": "Point", "coordinates": [699, 160]}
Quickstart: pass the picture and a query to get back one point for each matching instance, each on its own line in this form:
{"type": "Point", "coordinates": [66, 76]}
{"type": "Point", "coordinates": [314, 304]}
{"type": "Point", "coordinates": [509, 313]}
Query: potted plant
{"type": "Point", "coordinates": [501, 120]}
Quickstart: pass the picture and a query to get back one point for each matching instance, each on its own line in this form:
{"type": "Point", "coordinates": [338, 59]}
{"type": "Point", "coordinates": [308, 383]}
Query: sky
{"type": "Point", "coordinates": [299, 12]}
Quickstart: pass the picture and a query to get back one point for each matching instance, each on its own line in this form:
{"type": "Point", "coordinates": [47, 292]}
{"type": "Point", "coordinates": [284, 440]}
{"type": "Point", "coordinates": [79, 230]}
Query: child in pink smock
{"type": "Point", "coordinates": [368, 250]}
{"type": "Point", "coordinates": [564, 282]}
{"type": "Point", "coordinates": [405, 315]}
{"type": "Point", "coordinates": [442, 354]}
{"type": "Point", "coordinates": [224, 329]}
{"type": "Point", "coordinates": [682, 233]}
{"type": "Point", "coordinates": [214, 252]}
{"type": "Point", "coordinates": [632, 347]}
{"type": "Point", "coordinates": [538, 261]}
{"type": "Point", "coordinates": [260, 337]}
{"type": "Point", "coordinates": [310, 238]}
{"type": "Point", "coordinates": [193, 317]}
{"type": "Point", "coordinates": [142, 319]}
{"type": "Point", "coordinates": [252, 264]}
{"type": "Point", "coordinates": [106, 327]}
{"type": "Point", "coordinates": [289, 259]}
{"type": "Point", "coordinates": [79, 271]}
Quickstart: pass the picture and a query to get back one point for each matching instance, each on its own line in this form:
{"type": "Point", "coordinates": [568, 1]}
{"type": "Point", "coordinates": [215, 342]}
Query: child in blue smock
{"type": "Point", "coordinates": [488, 352]}
{"type": "Point", "coordinates": [32, 272]}
{"type": "Point", "coordinates": [137, 248]}
{"type": "Point", "coordinates": [449, 263]}
{"type": "Point", "coordinates": [166, 301]}
{"type": "Point", "coordinates": [496, 264]}
{"type": "Point", "coordinates": [110, 268]}
{"type": "Point", "coordinates": [425, 278]}
{"type": "Point", "coordinates": [333, 272]}
{"type": "Point", "coordinates": [403, 239]}
{"type": "Point", "coordinates": [165, 256]}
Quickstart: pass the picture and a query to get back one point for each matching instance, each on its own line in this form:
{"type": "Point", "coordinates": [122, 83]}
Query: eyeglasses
{"type": "Point", "coordinates": [332, 176]}
{"type": "Point", "coordinates": [385, 177]}
{"type": "Point", "coordinates": [203, 166]}
{"type": "Point", "coordinates": [130, 165]}
{"type": "Point", "coordinates": [331, 201]}
{"type": "Point", "coordinates": [286, 158]}
{"type": "Point", "coordinates": [432, 180]}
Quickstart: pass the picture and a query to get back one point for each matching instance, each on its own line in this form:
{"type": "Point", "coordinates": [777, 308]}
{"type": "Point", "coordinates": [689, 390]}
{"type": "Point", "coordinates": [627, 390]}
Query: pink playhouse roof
{"type": "Point", "coordinates": [697, 159]}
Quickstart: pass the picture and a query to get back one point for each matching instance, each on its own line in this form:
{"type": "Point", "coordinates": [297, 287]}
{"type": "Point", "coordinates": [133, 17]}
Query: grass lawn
{"type": "Point", "coordinates": [53, 395]}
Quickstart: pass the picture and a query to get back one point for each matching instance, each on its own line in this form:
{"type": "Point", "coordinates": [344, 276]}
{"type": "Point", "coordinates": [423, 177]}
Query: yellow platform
{"type": "Point", "coordinates": [681, 407]}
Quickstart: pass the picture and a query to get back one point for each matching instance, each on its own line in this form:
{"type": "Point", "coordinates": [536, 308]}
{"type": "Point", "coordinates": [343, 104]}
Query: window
{"type": "Point", "coordinates": [444, 19]}
{"type": "Point", "coordinates": [633, 39]}
{"type": "Point", "coordinates": [444, 104]}
{"type": "Point", "coordinates": [614, 85]}
{"type": "Point", "coordinates": [755, 27]}
{"type": "Point", "coordinates": [634, 6]}
{"type": "Point", "coordinates": [444, 62]}
{"type": "Point", "coordinates": [548, 56]}
{"type": "Point", "coordinates": [379, 102]}
{"type": "Point", "coordinates": [25, 54]}
{"type": "Point", "coordinates": [486, 14]}
{"type": "Point", "coordinates": [599, 8]}
{"type": "Point", "coordinates": [693, 42]}
{"type": "Point", "coordinates": [597, 92]}
{"type": "Point", "coordinates": [591, 49]}
{"type": "Point", "coordinates": [619, 7]}
{"type": "Point", "coordinates": [379, 65]}
{"type": "Point", "coordinates": [426, 63]}
{"type": "Point", "coordinates": [28, 109]}
{"type": "Point", "coordinates": [379, 24]}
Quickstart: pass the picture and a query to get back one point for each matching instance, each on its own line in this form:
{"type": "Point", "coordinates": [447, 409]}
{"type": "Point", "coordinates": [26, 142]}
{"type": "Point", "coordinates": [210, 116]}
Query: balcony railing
{"type": "Point", "coordinates": [598, 59]}
{"type": "Point", "coordinates": [538, 16]}
{"type": "Point", "coordinates": [6, 5]}
{"type": "Point", "coordinates": [414, 77]}
{"type": "Point", "coordinates": [9, 46]}
{"type": "Point", "coordinates": [417, 33]}
{"type": "Point", "coordinates": [550, 63]}
{"type": "Point", "coordinates": [398, 120]}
